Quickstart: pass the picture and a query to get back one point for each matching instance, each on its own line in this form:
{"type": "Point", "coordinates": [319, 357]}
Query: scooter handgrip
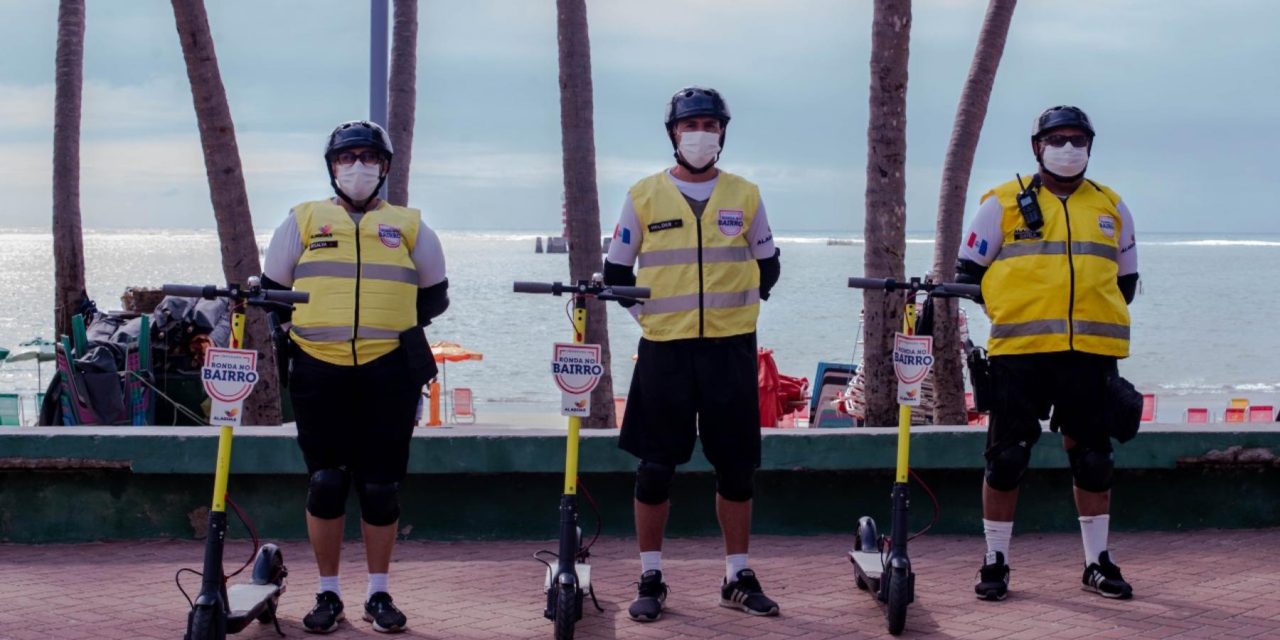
{"type": "Point", "coordinates": [190, 290]}
{"type": "Point", "coordinates": [287, 297]}
{"type": "Point", "coordinates": [535, 287]}
{"type": "Point", "coordinates": [639, 293]}
{"type": "Point", "coordinates": [867, 283]}
{"type": "Point", "coordinates": [970, 291]}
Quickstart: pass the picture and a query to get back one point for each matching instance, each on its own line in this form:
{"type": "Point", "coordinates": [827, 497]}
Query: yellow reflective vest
{"type": "Point", "coordinates": [362, 280]}
{"type": "Point", "coordinates": [703, 279]}
{"type": "Point", "coordinates": [1056, 289]}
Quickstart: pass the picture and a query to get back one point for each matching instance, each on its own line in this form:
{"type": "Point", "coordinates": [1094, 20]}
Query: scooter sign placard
{"type": "Point", "coordinates": [912, 358]}
{"type": "Point", "coordinates": [577, 370]}
{"type": "Point", "coordinates": [228, 376]}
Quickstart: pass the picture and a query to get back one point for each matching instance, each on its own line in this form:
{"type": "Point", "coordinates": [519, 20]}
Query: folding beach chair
{"type": "Point", "coordinates": [1262, 413]}
{"type": "Point", "coordinates": [10, 410]}
{"type": "Point", "coordinates": [1148, 407]}
{"type": "Point", "coordinates": [1233, 414]}
{"type": "Point", "coordinates": [1197, 415]}
{"type": "Point", "coordinates": [619, 409]}
{"type": "Point", "coordinates": [460, 408]}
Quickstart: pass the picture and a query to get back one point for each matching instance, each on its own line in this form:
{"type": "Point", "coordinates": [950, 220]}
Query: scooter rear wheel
{"type": "Point", "coordinates": [568, 611]}
{"type": "Point", "coordinates": [899, 598]}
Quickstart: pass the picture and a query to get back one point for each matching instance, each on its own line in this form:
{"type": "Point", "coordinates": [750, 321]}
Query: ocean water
{"type": "Point", "coordinates": [1204, 322]}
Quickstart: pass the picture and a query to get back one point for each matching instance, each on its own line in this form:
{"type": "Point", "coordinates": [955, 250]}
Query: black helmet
{"type": "Point", "coordinates": [696, 101]}
{"type": "Point", "coordinates": [358, 133]}
{"type": "Point", "coordinates": [1059, 117]}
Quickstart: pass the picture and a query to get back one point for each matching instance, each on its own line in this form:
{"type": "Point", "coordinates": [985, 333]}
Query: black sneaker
{"type": "Point", "coordinates": [383, 614]}
{"type": "Point", "coordinates": [326, 615]}
{"type": "Point", "coordinates": [993, 578]}
{"type": "Point", "coordinates": [1104, 578]}
{"type": "Point", "coordinates": [649, 603]}
{"type": "Point", "coordinates": [745, 593]}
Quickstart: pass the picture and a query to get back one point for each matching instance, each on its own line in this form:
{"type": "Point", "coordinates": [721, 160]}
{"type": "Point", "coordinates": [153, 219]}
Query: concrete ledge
{"type": "Point", "coordinates": [65, 484]}
{"type": "Point", "coordinates": [273, 450]}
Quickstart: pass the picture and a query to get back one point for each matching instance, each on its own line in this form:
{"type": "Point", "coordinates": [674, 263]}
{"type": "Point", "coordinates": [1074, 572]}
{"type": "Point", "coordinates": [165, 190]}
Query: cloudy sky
{"type": "Point", "coordinates": [1183, 94]}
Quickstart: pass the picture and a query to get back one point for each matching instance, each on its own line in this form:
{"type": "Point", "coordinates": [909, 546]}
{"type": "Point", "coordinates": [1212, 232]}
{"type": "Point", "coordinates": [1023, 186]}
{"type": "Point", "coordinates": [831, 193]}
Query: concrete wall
{"type": "Point", "coordinates": [64, 484]}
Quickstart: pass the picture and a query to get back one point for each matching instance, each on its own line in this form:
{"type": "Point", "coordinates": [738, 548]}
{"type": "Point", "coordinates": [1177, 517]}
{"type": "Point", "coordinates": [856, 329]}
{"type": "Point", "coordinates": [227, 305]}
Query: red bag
{"type": "Point", "coordinates": [767, 376]}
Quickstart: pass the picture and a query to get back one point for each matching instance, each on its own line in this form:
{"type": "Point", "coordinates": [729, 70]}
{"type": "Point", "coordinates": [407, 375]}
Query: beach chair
{"type": "Point", "coordinates": [1233, 414]}
{"type": "Point", "coordinates": [1239, 403]}
{"type": "Point", "coordinates": [619, 409]}
{"type": "Point", "coordinates": [460, 407]}
{"type": "Point", "coordinates": [1148, 407]}
{"type": "Point", "coordinates": [1197, 415]}
{"type": "Point", "coordinates": [1261, 413]}
{"type": "Point", "coordinates": [10, 410]}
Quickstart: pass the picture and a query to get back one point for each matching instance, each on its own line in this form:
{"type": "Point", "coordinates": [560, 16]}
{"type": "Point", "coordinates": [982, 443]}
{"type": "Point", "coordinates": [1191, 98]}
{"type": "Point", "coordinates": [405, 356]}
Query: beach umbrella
{"type": "Point", "coordinates": [43, 352]}
{"type": "Point", "coordinates": [446, 352]}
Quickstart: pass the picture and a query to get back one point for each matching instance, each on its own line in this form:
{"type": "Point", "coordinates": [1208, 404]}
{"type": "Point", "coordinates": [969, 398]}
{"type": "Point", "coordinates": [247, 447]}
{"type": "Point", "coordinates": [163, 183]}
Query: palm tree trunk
{"type": "Point", "coordinates": [402, 98]}
{"type": "Point", "coordinates": [578, 147]}
{"type": "Point", "coordinates": [68, 243]}
{"type": "Point", "coordinates": [227, 191]}
{"type": "Point", "coordinates": [972, 111]}
{"type": "Point", "coordinates": [886, 207]}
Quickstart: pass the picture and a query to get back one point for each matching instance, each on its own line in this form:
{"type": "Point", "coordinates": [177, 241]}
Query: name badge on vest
{"type": "Point", "coordinates": [323, 244]}
{"type": "Point", "coordinates": [730, 222]}
{"type": "Point", "coordinates": [666, 224]}
{"type": "Point", "coordinates": [1023, 233]}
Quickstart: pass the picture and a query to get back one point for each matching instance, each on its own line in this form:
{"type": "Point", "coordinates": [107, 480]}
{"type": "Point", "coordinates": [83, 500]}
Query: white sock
{"type": "Point", "coordinates": [733, 564]}
{"type": "Point", "coordinates": [377, 583]}
{"type": "Point", "coordinates": [330, 583]}
{"type": "Point", "coordinates": [998, 535]}
{"type": "Point", "coordinates": [650, 561]}
{"type": "Point", "coordinates": [1093, 531]}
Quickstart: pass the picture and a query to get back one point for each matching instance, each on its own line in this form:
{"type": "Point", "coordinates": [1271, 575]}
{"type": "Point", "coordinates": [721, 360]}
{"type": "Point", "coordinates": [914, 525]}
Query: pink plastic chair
{"type": "Point", "coordinates": [460, 409]}
{"type": "Point", "coordinates": [1197, 415]}
{"type": "Point", "coordinates": [1233, 414]}
{"type": "Point", "coordinates": [1262, 413]}
{"type": "Point", "coordinates": [1148, 407]}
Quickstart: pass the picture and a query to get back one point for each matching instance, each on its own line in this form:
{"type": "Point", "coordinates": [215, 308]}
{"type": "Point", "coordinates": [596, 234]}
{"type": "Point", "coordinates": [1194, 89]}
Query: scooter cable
{"type": "Point", "coordinates": [585, 552]}
{"type": "Point", "coordinates": [253, 534]}
{"type": "Point", "coordinates": [937, 509]}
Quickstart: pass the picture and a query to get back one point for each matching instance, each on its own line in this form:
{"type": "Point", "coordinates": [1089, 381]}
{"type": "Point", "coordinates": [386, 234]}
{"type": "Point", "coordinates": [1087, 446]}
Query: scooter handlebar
{"type": "Point", "coordinates": [956, 290]}
{"type": "Point", "coordinates": [535, 287]}
{"type": "Point", "coordinates": [190, 290]}
{"type": "Point", "coordinates": [638, 293]}
{"type": "Point", "coordinates": [286, 297]}
{"type": "Point", "coordinates": [868, 283]}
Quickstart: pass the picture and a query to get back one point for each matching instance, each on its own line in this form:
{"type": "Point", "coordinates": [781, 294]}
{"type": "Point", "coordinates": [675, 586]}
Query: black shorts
{"type": "Point", "coordinates": [1026, 387]}
{"type": "Point", "coordinates": [685, 389]}
{"type": "Point", "coordinates": [360, 418]}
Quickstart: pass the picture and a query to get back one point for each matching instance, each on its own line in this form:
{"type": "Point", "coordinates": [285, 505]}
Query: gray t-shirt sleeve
{"type": "Point", "coordinates": [626, 237]}
{"type": "Point", "coordinates": [284, 252]}
{"type": "Point", "coordinates": [760, 236]}
{"type": "Point", "coordinates": [428, 257]}
{"type": "Point", "coordinates": [1128, 259]}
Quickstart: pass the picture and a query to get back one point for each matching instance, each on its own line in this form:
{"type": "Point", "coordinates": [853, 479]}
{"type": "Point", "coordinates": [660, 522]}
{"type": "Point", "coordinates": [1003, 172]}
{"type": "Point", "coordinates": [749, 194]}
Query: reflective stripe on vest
{"type": "Point", "coordinates": [1057, 290]}
{"type": "Point", "coordinates": [362, 280]}
{"type": "Point", "coordinates": [702, 277]}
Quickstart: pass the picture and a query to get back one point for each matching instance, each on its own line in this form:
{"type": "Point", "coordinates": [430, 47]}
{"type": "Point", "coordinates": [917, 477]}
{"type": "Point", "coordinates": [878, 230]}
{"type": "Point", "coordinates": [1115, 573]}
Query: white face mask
{"type": "Point", "coordinates": [358, 180]}
{"type": "Point", "coordinates": [699, 148]}
{"type": "Point", "coordinates": [1067, 161]}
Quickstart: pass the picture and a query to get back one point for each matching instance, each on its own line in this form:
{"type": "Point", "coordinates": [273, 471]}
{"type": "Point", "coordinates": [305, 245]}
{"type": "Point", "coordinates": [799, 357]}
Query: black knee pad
{"type": "Point", "coordinates": [379, 502]}
{"type": "Point", "coordinates": [653, 482]}
{"type": "Point", "coordinates": [736, 484]}
{"type": "Point", "coordinates": [327, 493]}
{"type": "Point", "coordinates": [1092, 469]}
{"type": "Point", "coordinates": [1006, 468]}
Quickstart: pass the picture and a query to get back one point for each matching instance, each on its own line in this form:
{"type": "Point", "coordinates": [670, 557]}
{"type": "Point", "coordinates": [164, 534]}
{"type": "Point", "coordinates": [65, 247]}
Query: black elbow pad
{"type": "Point", "coordinates": [432, 301]}
{"type": "Point", "coordinates": [770, 271]}
{"type": "Point", "coordinates": [969, 272]}
{"type": "Point", "coordinates": [619, 275]}
{"type": "Point", "coordinates": [1128, 286]}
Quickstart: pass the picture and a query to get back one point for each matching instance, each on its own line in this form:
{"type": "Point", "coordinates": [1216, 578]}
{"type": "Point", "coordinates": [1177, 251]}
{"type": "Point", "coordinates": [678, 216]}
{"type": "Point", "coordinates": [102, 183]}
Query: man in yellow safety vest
{"type": "Point", "coordinates": [702, 244]}
{"type": "Point", "coordinates": [1056, 256]}
{"type": "Point", "coordinates": [376, 276]}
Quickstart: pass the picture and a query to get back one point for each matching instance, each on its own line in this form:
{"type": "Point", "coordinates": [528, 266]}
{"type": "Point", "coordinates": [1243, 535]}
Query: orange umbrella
{"type": "Point", "coordinates": [446, 352]}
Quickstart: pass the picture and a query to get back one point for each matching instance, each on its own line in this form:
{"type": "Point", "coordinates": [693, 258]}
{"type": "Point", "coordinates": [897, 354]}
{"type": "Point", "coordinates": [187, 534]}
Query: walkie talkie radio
{"type": "Point", "coordinates": [1028, 204]}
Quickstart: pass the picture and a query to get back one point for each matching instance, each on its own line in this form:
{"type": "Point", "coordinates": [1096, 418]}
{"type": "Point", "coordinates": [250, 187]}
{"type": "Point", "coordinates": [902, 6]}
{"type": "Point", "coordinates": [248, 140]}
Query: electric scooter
{"type": "Point", "coordinates": [881, 564]}
{"type": "Point", "coordinates": [570, 579]}
{"type": "Point", "coordinates": [219, 610]}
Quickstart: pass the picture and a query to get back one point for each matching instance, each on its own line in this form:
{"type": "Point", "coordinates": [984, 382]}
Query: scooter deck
{"type": "Point", "coordinates": [869, 566]}
{"type": "Point", "coordinates": [244, 598]}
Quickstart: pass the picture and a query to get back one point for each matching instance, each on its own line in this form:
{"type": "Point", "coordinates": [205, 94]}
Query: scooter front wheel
{"type": "Point", "coordinates": [206, 623]}
{"type": "Point", "coordinates": [899, 598]}
{"type": "Point", "coordinates": [568, 611]}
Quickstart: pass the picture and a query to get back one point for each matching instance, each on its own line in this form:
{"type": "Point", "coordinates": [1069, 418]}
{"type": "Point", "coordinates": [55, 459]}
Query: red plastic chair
{"type": "Point", "coordinates": [460, 408]}
{"type": "Point", "coordinates": [1197, 415]}
{"type": "Point", "coordinates": [1148, 407]}
{"type": "Point", "coordinates": [619, 408]}
{"type": "Point", "coordinates": [1233, 414]}
{"type": "Point", "coordinates": [1262, 413]}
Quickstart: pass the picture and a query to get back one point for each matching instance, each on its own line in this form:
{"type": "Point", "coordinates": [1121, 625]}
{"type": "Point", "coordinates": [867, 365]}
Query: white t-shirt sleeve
{"type": "Point", "coordinates": [284, 252]}
{"type": "Point", "coordinates": [626, 237]}
{"type": "Point", "coordinates": [982, 242]}
{"type": "Point", "coordinates": [1128, 259]}
{"type": "Point", "coordinates": [428, 257]}
{"type": "Point", "coordinates": [760, 235]}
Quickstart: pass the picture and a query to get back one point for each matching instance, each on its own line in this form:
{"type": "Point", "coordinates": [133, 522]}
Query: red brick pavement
{"type": "Point", "coordinates": [1207, 584]}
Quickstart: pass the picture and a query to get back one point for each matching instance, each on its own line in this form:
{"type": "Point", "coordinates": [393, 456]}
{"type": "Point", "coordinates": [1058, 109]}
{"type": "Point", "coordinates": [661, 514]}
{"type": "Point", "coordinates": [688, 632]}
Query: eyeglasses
{"type": "Point", "coordinates": [1078, 140]}
{"type": "Point", "coordinates": [367, 158]}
